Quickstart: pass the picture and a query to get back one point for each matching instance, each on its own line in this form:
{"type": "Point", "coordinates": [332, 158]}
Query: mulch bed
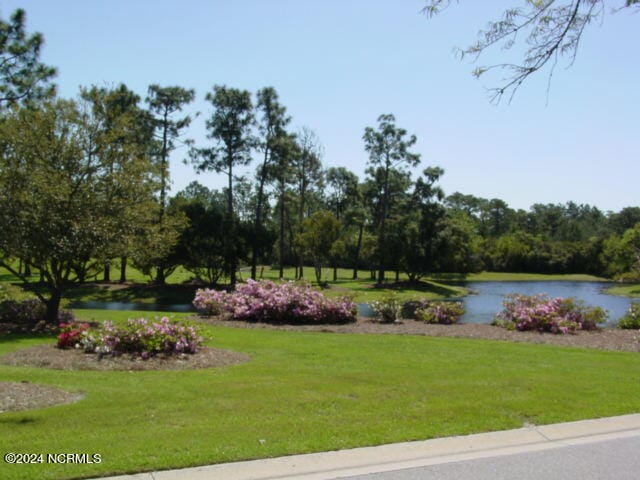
{"type": "Point", "coordinates": [48, 356]}
{"type": "Point", "coordinates": [603, 339]}
{"type": "Point", "coordinates": [16, 396]}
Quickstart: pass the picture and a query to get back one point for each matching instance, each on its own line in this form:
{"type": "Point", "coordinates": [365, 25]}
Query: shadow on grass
{"type": "Point", "coordinates": [132, 293]}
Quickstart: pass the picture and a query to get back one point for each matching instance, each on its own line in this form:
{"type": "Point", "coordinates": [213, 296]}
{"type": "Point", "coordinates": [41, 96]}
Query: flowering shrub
{"type": "Point", "coordinates": [270, 302]}
{"type": "Point", "coordinates": [137, 336]}
{"type": "Point", "coordinates": [632, 318]}
{"type": "Point", "coordinates": [387, 310]}
{"type": "Point", "coordinates": [555, 315]}
{"type": "Point", "coordinates": [440, 312]}
{"type": "Point", "coordinates": [71, 334]}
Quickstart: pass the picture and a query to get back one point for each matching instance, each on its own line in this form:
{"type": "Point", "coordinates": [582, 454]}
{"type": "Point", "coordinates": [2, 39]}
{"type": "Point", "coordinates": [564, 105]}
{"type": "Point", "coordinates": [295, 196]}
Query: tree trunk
{"type": "Point", "coordinates": [123, 269]}
{"type": "Point", "coordinates": [161, 278]}
{"type": "Point", "coordinates": [53, 307]}
{"type": "Point", "coordinates": [357, 253]}
{"type": "Point", "coordinates": [397, 275]}
{"type": "Point", "coordinates": [233, 261]}
{"type": "Point", "coordinates": [281, 243]}
{"type": "Point", "coordinates": [383, 222]}
{"type": "Point", "coordinates": [27, 268]}
{"type": "Point", "coordinates": [107, 271]}
{"type": "Point", "coordinates": [318, 272]}
{"type": "Point", "coordinates": [335, 273]}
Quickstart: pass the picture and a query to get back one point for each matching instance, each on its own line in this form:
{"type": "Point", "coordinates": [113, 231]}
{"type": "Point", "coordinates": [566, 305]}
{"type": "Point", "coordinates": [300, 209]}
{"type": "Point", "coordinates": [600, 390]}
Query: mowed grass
{"type": "Point", "coordinates": [308, 392]}
{"type": "Point", "coordinates": [632, 290]}
{"type": "Point", "coordinates": [524, 277]}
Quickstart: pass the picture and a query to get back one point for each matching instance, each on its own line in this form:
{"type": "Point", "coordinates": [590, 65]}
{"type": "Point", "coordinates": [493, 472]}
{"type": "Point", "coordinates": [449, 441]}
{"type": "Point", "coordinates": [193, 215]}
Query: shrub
{"type": "Point", "coordinates": [632, 319]}
{"type": "Point", "coordinates": [269, 302]}
{"type": "Point", "coordinates": [136, 336]}
{"type": "Point", "coordinates": [544, 314]}
{"type": "Point", "coordinates": [440, 312]}
{"type": "Point", "coordinates": [387, 310]}
{"type": "Point", "coordinates": [28, 312]}
{"type": "Point", "coordinates": [71, 334]}
{"type": "Point", "coordinates": [25, 312]}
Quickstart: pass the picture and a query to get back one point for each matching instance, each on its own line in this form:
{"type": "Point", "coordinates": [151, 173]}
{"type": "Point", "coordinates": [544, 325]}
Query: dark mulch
{"type": "Point", "coordinates": [604, 339]}
{"type": "Point", "coordinates": [48, 356]}
{"type": "Point", "coordinates": [16, 396]}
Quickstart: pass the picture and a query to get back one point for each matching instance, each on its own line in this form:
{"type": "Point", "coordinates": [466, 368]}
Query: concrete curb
{"type": "Point", "coordinates": [397, 456]}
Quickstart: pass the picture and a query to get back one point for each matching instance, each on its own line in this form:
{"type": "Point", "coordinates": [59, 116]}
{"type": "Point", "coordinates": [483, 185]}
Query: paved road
{"type": "Point", "coordinates": [614, 459]}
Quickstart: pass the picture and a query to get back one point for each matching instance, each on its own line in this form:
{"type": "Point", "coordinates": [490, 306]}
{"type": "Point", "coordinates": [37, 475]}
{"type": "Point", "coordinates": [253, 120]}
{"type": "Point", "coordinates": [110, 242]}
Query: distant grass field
{"type": "Point", "coordinates": [307, 392]}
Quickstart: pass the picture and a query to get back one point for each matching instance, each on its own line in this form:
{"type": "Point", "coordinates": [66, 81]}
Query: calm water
{"type": "Point", "coordinates": [487, 301]}
{"type": "Point", "coordinates": [147, 307]}
{"type": "Point", "coordinates": [480, 307]}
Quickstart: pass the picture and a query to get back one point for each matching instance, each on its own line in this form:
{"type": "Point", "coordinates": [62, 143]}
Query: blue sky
{"type": "Point", "coordinates": [337, 65]}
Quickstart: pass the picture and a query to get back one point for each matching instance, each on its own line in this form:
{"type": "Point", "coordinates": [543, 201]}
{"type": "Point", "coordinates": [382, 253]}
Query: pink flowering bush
{"type": "Point", "coordinates": [440, 312]}
{"type": "Point", "coordinates": [544, 314]}
{"type": "Point", "coordinates": [137, 336]}
{"type": "Point", "coordinates": [269, 302]}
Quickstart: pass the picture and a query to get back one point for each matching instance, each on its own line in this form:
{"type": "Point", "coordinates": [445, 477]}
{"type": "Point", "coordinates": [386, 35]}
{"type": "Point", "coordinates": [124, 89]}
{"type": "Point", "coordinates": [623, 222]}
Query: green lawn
{"type": "Point", "coordinates": [308, 392]}
{"type": "Point", "coordinates": [632, 290]}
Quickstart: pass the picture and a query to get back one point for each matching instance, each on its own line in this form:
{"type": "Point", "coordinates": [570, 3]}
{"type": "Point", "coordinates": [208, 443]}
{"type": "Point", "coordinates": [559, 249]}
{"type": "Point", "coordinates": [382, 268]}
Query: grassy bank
{"type": "Point", "coordinates": [307, 392]}
{"type": "Point", "coordinates": [632, 290]}
{"type": "Point", "coordinates": [522, 277]}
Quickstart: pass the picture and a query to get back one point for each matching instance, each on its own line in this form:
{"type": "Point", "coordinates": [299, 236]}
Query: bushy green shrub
{"type": "Point", "coordinates": [444, 313]}
{"type": "Point", "coordinates": [632, 319]}
{"type": "Point", "coordinates": [387, 310]}
{"type": "Point", "coordinates": [22, 312]}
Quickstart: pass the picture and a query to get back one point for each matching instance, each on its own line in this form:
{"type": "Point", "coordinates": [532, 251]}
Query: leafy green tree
{"type": "Point", "coordinates": [623, 220]}
{"type": "Point", "coordinates": [622, 254]}
{"type": "Point", "coordinates": [272, 123]}
{"type": "Point", "coordinates": [421, 225]}
{"type": "Point", "coordinates": [320, 232]}
{"type": "Point", "coordinates": [308, 176]}
{"type": "Point", "coordinates": [230, 127]}
{"type": "Point", "coordinates": [202, 244]}
{"type": "Point", "coordinates": [57, 201]}
{"type": "Point", "coordinates": [121, 133]}
{"type": "Point", "coordinates": [22, 77]}
{"type": "Point", "coordinates": [345, 198]}
{"type": "Point", "coordinates": [285, 150]}
{"type": "Point", "coordinates": [342, 189]}
{"type": "Point", "coordinates": [388, 148]}
{"type": "Point", "coordinates": [550, 29]}
{"type": "Point", "coordinates": [164, 104]}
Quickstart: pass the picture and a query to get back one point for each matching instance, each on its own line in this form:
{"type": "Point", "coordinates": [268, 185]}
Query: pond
{"type": "Point", "coordinates": [488, 296]}
{"type": "Point", "coordinates": [147, 307]}
{"type": "Point", "coordinates": [481, 306]}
